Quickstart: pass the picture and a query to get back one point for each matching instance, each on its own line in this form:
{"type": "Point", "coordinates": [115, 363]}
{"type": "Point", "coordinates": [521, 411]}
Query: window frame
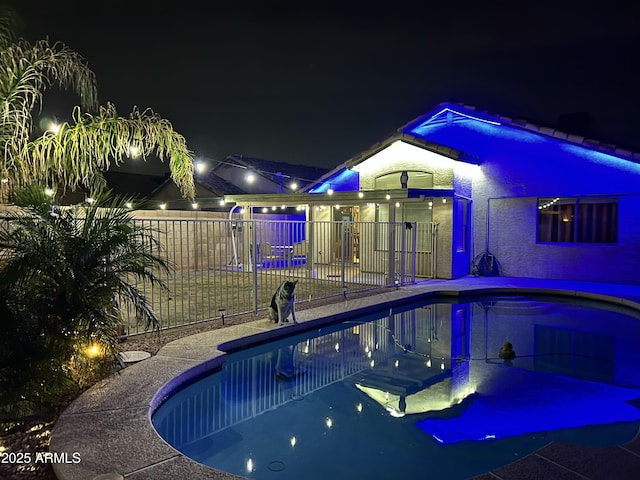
{"type": "Point", "coordinates": [575, 214]}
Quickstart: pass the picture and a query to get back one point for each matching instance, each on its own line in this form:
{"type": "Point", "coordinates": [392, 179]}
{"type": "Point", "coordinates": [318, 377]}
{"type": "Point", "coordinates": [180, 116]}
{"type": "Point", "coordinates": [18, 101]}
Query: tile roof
{"type": "Point", "coordinates": [269, 168]}
{"type": "Point", "coordinates": [524, 124]}
{"type": "Point", "coordinates": [408, 133]}
{"type": "Point", "coordinates": [218, 185]}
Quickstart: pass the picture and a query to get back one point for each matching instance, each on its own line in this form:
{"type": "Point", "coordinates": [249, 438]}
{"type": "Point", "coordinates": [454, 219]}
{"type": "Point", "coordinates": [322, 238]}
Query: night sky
{"type": "Point", "coordinates": [317, 82]}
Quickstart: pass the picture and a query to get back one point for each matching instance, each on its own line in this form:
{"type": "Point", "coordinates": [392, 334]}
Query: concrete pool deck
{"type": "Point", "coordinates": [108, 428]}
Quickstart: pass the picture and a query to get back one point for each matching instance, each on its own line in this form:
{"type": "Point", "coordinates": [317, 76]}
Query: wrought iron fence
{"type": "Point", "coordinates": [231, 267]}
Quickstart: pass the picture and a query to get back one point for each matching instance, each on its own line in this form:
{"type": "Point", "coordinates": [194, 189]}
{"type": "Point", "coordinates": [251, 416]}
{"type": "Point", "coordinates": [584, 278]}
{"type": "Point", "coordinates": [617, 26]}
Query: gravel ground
{"type": "Point", "coordinates": [30, 440]}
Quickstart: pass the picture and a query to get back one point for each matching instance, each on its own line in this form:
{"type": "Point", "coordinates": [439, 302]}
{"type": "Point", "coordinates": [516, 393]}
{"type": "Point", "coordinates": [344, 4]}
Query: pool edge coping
{"type": "Point", "coordinates": [309, 319]}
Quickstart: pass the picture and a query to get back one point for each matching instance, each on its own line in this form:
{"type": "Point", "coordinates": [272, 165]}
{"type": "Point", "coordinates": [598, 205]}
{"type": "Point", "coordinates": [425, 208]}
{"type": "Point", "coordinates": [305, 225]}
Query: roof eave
{"type": "Point", "coordinates": [300, 198]}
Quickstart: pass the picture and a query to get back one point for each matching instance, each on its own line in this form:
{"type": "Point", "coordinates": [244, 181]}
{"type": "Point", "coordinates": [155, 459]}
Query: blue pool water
{"type": "Point", "coordinates": [417, 391]}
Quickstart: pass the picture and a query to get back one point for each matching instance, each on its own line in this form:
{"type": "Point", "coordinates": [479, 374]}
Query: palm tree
{"type": "Point", "coordinates": [77, 153]}
{"type": "Point", "coordinates": [64, 276]}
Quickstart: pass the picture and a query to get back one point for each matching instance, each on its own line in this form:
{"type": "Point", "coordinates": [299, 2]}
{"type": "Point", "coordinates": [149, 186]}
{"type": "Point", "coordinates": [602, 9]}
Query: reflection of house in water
{"type": "Point", "coordinates": [429, 358]}
{"type": "Point", "coordinates": [415, 344]}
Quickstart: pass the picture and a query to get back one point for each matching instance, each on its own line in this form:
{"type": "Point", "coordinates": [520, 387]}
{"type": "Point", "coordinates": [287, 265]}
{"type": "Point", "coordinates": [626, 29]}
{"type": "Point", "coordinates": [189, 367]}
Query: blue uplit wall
{"type": "Point", "coordinates": [518, 166]}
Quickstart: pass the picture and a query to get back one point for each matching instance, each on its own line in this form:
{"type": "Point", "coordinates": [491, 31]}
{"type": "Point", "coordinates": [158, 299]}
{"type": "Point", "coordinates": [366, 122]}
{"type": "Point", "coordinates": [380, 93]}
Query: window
{"type": "Point", "coordinates": [461, 233]}
{"type": "Point", "coordinates": [583, 220]}
{"type": "Point", "coordinates": [393, 181]}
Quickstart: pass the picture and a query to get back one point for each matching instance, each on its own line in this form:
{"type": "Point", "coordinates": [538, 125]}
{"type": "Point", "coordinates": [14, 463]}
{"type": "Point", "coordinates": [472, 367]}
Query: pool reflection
{"type": "Point", "coordinates": [436, 364]}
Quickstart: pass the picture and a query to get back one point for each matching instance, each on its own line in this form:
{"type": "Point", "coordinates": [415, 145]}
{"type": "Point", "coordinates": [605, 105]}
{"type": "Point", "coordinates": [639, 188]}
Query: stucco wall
{"type": "Point", "coordinates": [402, 156]}
{"type": "Point", "coordinates": [442, 217]}
{"type": "Point", "coordinates": [508, 190]}
{"type": "Point", "coordinates": [192, 246]}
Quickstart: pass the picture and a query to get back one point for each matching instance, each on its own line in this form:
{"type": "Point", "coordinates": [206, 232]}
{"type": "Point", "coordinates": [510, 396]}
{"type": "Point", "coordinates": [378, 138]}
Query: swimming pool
{"type": "Point", "coordinates": [416, 390]}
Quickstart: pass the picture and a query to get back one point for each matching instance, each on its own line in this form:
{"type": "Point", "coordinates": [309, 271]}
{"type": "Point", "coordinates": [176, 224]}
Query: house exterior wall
{"type": "Point", "coordinates": [506, 196]}
{"type": "Point", "coordinates": [442, 217]}
{"type": "Point", "coordinates": [460, 259]}
{"type": "Point", "coordinates": [403, 156]}
{"type": "Point", "coordinates": [447, 174]}
{"type": "Point", "coordinates": [369, 257]}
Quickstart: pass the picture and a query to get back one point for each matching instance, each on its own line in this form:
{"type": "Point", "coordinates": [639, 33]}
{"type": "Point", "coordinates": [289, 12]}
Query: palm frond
{"type": "Point", "coordinates": [26, 72]}
{"type": "Point", "coordinates": [79, 153]}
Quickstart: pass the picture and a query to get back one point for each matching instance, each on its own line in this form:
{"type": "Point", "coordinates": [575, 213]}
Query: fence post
{"type": "Point", "coordinates": [391, 248]}
{"type": "Point", "coordinates": [415, 251]}
{"type": "Point", "coordinates": [344, 232]}
{"type": "Point", "coordinates": [403, 254]}
{"type": "Point", "coordinates": [254, 261]}
{"type": "Point", "coordinates": [434, 248]}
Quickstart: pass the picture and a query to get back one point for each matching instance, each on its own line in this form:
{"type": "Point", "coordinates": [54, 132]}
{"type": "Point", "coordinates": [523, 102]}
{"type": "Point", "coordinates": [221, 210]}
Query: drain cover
{"type": "Point", "coordinates": [276, 466]}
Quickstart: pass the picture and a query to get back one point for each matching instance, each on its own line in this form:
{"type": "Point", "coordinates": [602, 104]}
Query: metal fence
{"type": "Point", "coordinates": [231, 267]}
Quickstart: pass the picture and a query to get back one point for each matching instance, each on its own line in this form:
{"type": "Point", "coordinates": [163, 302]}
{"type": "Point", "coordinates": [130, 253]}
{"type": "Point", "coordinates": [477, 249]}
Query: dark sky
{"type": "Point", "coordinates": [317, 82]}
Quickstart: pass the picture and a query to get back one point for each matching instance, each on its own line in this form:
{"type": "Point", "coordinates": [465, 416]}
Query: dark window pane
{"type": "Point", "coordinates": [598, 221]}
{"type": "Point", "coordinates": [556, 220]}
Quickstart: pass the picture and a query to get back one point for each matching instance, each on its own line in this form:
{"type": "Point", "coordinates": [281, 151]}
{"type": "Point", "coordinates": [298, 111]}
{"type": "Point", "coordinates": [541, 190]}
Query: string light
{"type": "Point", "coordinates": [548, 204]}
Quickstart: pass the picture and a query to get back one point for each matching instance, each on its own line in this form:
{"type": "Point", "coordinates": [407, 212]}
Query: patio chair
{"type": "Point", "coordinates": [265, 252]}
{"type": "Point", "coordinates": [300, 250]}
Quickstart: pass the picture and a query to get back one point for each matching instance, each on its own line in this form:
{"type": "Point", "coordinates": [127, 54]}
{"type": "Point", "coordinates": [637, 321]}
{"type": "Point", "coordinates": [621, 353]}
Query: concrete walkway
{"type": "Point", "coordinates": [109, 429]}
